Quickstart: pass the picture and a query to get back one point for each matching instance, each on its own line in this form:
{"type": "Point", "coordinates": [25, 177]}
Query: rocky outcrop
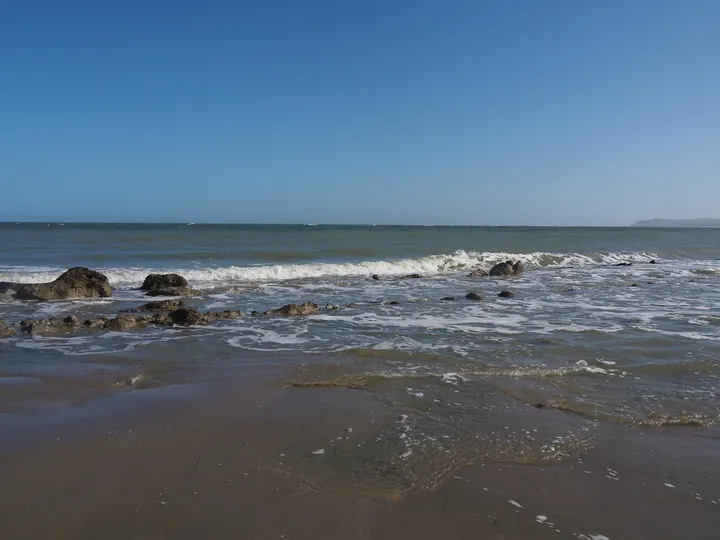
{"type": "Point", "coordinates": [478, 272]}
{"type": "Point", "coordinates": [75, 283]}
{"type": "Point", "coordinates": [123, 321]}
{"type": "Point", "coordinates": [506, 294]}
{"type": "Point", "coordinates": [473, 296]}
{"type": "Point", "coordinates": [6, 329]}
{"type": "Point", "coordinates": [166, 285]}
{"type": "Point", "coordinates": [294, 310]}
{"type": "Point", "coordinates": [507, 268]}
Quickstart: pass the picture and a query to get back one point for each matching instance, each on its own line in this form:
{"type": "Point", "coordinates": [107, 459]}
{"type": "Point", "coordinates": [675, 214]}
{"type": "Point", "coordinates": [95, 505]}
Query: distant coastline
{"type": "Point", "coordinates": [701, 222]}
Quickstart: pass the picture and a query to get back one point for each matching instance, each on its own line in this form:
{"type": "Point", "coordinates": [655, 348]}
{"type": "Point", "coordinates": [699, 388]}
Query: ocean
{"type": "Point", "coordinates": [635, 345]}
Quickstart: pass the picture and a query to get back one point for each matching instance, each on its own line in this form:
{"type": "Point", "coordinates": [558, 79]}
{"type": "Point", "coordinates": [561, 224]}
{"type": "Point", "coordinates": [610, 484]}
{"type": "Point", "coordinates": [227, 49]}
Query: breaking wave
{"type": "Point", "coordinates": [430, 265]}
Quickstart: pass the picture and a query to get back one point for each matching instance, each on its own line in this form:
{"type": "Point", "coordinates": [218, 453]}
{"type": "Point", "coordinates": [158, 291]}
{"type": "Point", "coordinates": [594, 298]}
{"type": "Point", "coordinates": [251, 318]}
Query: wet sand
{"type": "Point", "coordinates": [207, 460]}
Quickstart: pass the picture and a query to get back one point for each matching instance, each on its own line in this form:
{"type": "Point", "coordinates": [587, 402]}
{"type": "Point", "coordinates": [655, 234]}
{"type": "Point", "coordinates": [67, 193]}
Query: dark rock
{"type": "Point", "coordinates": [540, 405]}
{"type": "Point", "coordinates": [189, 317]}
{"type": "Point", "coordinates": [124, 321]}
{"type": "Point", "coordinates": [634, 285]}
{"type": "Point", "coordinates": [479, 272]}
{"type": "Point", "coordinates": [650, 282]}
{"type": "Point", "coordinates": [449, 298]}
{"type": "Point", "coordinates": [96, 323]}
{"type": "Point", "coordinates": [6, 329]}
{"type": "Point", "coordinates": [623, 264]}
{"type": "Point", "coordinates": [507, 268]}
{"type": "Point", "coordinates": [255, 313]}
{"type": "Point", "coordinates": [506, 294]}
{"type": "Point", "coordinates": [172, 291]}
{"type": "Point", "coordinates": [411, 276]}
{"type": "Point", "coordinates": [375, 277]}
{"type": "Point", "coordinates": [653, 262]}
{"type": "Point", "coordinates": [71, 320]}
{"type": "Point", "coordinates": [393, 303]}
{"type": "Point", "coordinates": [294, 310]}
{"type": "Point", "coordinates": [351, 305]}
{"type": "Point", "coordinates": [163, 281]}
{"type": "Point", "coordinates": [75, 283]}
{"type": "Point", "coordinates": [475, 297]}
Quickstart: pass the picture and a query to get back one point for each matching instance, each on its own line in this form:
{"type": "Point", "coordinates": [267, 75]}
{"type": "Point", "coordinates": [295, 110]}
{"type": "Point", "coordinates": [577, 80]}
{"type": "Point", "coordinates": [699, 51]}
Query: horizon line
{"type": "Point", "coordinates": [298, 224]}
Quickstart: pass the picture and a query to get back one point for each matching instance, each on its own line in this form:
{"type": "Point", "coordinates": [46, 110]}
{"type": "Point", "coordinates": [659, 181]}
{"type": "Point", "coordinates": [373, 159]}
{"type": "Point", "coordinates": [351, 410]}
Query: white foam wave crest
{"type": "Point", "coordinates": [431, 265]}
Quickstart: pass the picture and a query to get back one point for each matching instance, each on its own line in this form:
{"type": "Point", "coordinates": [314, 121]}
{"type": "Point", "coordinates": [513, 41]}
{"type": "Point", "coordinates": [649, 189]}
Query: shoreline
{"type": "Point", "coordinates": [201, 460]}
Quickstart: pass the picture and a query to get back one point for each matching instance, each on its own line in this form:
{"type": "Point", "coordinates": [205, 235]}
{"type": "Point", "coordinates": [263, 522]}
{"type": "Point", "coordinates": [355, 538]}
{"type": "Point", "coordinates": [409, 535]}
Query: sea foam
{"type": "Point", "coordinates": [457, 262]}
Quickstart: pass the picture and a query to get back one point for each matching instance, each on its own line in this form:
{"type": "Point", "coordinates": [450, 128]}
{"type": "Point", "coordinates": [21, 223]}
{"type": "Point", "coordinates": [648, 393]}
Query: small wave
{"type": "Point", "coordinates": [431, 265]}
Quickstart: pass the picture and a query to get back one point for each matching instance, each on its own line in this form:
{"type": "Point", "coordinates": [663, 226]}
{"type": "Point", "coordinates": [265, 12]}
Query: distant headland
{"type": "Point", "coordinates": [701, 222]}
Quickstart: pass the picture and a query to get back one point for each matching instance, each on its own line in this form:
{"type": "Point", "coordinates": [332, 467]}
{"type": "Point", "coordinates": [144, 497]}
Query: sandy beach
{"type": "Point", "coordinates": [206, 460]}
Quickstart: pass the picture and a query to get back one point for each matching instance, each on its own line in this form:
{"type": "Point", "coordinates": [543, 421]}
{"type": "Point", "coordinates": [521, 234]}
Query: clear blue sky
{"type": "Point", "coordinates": [542, 112]}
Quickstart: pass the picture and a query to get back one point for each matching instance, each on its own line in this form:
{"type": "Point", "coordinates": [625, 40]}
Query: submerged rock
{"type": "Point", "coordinates": [188, 317]}
{"type": "Point", "coordinates": [478, 272]}
{"type": "Point", "coordinates": [6, 329]}
{"type": "Point", "coordinates": [77, 282]}
{"type": "Point", "coordinates": [96, 323]}
{"type": "Point", "coordinates": [623, 264]}
{"type": "Point", "coordinates": [192, 317]}
{"type": "Point", "coordinates": [52, 324]}
{"type": "Point", "coordinates": [293, 310]}
{"type": "Point", "coordinates": [375, 277]}
{"type": "Point", "coordinates": [159, 305]}
{"type": "Point", "coordinates": [473, 296]}
{"type": "Point", "coordinates": [71, 320]}
{"type": "Point", "coordinates": [449, 298]}
{"type": "Point", "coordinates": [411, 276]}
{"type": "Point", "coordinates": [125, 321]}
{"type": "Point", "coordinates": [506, 294]}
